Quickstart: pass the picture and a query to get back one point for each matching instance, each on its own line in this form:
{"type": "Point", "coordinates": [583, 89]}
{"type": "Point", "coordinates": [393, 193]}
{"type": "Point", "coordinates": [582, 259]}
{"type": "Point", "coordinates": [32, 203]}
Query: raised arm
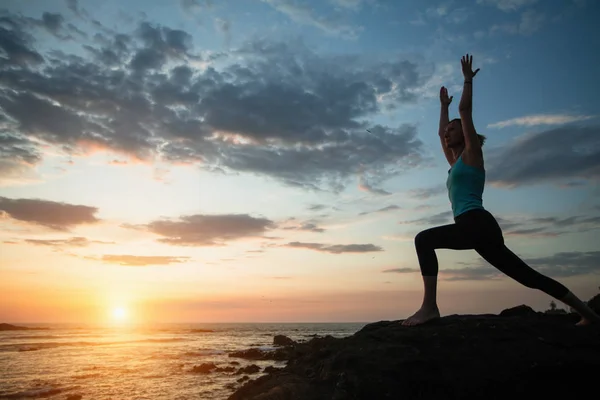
{"type": "Point", "coordinates": [465, 107]}
{"type": "Point", "coordinates": [444, 119]}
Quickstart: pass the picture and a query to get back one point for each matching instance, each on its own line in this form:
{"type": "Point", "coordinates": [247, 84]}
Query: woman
{"type": "Point", "coordinates": [474, 227]}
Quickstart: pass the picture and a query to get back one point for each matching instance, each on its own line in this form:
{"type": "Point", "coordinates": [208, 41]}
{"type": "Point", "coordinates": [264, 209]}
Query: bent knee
{"type": "Point", "coordinates": [423, 238]}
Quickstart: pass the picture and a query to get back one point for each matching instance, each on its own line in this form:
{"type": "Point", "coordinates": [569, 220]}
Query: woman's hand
{"type": "Point", "coordinates": [444, 99]}
{"type": "Point", "coordinates": [467, 68]}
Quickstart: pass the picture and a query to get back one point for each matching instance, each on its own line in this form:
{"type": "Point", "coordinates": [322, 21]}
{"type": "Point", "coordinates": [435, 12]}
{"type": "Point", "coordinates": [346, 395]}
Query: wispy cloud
{"type": "Point", "coordinates": [530, 22]}
{"type": "Point", "coordinates": [61, 243]}
{"type": "Point", "coordinates": [559, 265]}
{"type": "Point", "coordinates": [541, 119]}
{"type": "Point", "coordinates": [348, 4]}
{"type": "Point", "coordinates": [507, 5]}
{"type": "Point", "coordinates": [392, 207]}
{"type": "Point", "coordinates": [564, 153]}
{"type": "Point", "coordinates": [140, 261]}
{"type": "Point", "coordinates": [401, 270]}
{"type": "Point", "coordinates": [304, 14]}
{"type": "Point", "coordinates": [427, 193]}
{"type": "Point", "coordinates": [336, 248]}
{"type": "Point", "coordinates": [456, 274]}
{"type": "Point", "coordinates": [442, 218]}
{"type": "Point", "coordinates": [294, 224]}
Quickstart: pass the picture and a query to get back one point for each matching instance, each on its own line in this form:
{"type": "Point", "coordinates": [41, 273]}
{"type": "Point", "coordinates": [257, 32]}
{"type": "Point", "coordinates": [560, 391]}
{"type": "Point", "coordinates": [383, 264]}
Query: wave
{"type": "Point", "coordinates": [48, 345]}
{"type": "Point", "coordinates": [45, 391]}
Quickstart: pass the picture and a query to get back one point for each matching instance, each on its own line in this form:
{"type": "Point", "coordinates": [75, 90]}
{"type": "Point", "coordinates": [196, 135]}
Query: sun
{"type": "Point", "coordinates": [119, 314]}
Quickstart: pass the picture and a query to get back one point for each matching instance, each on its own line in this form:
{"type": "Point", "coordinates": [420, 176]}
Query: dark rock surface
{"type": "Point", "coordinates": [204, 368]}
{"type": "Point", "coordinates": [518, 353]}
{"type": "Point", "coordinates": [282, 340]}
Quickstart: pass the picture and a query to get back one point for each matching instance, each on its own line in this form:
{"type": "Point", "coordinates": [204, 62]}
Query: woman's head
{"type": "Point", "coordinates": [454, 134]}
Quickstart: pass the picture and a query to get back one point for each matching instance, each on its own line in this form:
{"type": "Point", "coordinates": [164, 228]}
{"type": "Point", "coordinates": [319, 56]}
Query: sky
{"type": "Point", "coordinates": [272, 161]}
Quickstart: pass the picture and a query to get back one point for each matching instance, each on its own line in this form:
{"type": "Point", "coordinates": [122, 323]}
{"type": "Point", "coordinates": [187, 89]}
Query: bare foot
{"type": "Point", "coordinates": [423, 315]}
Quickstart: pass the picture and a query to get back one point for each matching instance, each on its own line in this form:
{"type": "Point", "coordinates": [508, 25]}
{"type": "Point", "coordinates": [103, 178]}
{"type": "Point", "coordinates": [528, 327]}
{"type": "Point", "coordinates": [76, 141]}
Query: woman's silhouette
{"type": "Point", "coordinates": [474, 227]}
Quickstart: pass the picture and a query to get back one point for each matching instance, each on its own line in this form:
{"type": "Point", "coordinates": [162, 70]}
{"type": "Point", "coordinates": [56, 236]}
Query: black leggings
{"type": "Point", "coordinates": [479, 230]}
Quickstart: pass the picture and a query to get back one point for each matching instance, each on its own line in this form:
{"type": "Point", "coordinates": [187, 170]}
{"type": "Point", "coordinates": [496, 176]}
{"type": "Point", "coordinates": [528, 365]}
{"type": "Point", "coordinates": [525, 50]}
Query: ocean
{"type": "Point", "coordinates": [154, 362]}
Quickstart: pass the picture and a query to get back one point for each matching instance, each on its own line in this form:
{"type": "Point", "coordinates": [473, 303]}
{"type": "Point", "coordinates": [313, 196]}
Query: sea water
{"type": "Point", "coordinates": [149, 362]}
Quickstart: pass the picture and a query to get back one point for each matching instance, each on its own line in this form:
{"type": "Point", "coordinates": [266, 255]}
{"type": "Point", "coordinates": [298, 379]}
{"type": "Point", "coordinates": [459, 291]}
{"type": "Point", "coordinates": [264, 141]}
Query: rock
{"type": "Point", "coordinates": [455, 357]}
{"type": "Point", "coordinates": [282, 340]}
{"type": "Point", "coordinates": [271, 368]}
{"type": "Point", "coordinates": [250, 354]}
{"type": "Point", "coordinates": [519, 311]}
{"type": "Point", "coordinates": [9, 327]}
{"type": "Point", "coordinates": [281, 354]}
{"type": "Point", "coordinates": [204, 368]}
{"type": "Point", "coordinates": [594, 303]}
{"type": "Point", "coordinates": [234, 362]}
{"type": "Point", "coordinates": [243, 378]}
{"type": "Point", "coordinates": [250, 369]}
{"type": "Point", "coordinates": [225, 369]}
{"type": "Point", "coordinates": [74, 397]}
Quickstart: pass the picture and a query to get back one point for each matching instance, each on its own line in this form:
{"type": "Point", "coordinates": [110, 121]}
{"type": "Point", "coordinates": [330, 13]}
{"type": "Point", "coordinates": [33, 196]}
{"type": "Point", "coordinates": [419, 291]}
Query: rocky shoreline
{"type": "Point", "coordinates": [518, 352]}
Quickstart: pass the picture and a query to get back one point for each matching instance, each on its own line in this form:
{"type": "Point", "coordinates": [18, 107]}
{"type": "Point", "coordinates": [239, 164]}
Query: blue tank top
{"type": "Point", "coordinates": [465, 187]}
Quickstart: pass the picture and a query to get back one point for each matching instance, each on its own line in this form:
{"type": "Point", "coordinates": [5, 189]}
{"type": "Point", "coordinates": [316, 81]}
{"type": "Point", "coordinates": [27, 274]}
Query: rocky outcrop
{"type": "Point", "coordinates": [282, 340]}
{"type": "Point", "coordinates": [9, 327]}
{"type": "Point", "coordinates": [517, 353]}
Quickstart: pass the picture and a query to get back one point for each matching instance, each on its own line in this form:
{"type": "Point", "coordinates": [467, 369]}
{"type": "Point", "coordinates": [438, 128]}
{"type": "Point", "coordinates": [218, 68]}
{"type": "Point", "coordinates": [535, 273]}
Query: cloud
{"type": "Point", "coordinates": [569, 152]}
{"type": "Point", "coordinates": [317, 207]}
{"type": "Point", "coordinates": [71, 242]}
{"type": "Point", "coordinates": [337, 248]}
{"type": "Point", "coordinates": [310, 226]}
{"type": "Point", "coordinates": [273, 109]}
{"type": "Point", "coordinates": [456, 274]}
{"type": "Point", "coordinates": [207, 230]}
{"type": "Point", "coordinates": [195, 6]}
{"type": "Point", "coordinates": [471, 274]}
{"type": "Point", "coordinates": [559, 265]}
{"type": "Point", "coordinates": [54, 24]}
{"type": "Point", "coordinates": [51, 214]}
{"type": "Point", "coordinates": [541, 119]}
{"type": "Point", "coordinates": [507, 5]}
{"type": "Point", "coordinates": [16, 44]}
{"type": "Point", "coordinates": [532, 227]}
{"type": "Point", "coordinates": [223, 26]}
{"type": "Point", "coordinates": [432, 220]}
{"type": "Point", "coordinates": [367, 187]}
{"type": "Point", "coordinates": [530, 23]}
{"type": "Point", "coordinates": [401, 270]}
{"type": "Point", "coordinates": [392, 207]}
{"type": "Point", "coordinates": [549, 226]}
{"type": "Point", "coordinates": [73, 5]}
{"type": "Point", "coordinates": [567, 264]}
{"type": "Point", "coordinates": [303, 14]}
{"type": "Point", "coordinates": [18, 155]}
{"type": "Point", "coordinates": [140, 261]}
{"type": "Point", "coordinates": [427, 193]}
{"type": "Point", "coordinates": [348, 4]}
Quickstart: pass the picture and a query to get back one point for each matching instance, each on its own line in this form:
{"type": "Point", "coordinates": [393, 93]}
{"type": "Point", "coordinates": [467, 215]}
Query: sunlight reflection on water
{"type": "Point", "coordinates": [138, 363]}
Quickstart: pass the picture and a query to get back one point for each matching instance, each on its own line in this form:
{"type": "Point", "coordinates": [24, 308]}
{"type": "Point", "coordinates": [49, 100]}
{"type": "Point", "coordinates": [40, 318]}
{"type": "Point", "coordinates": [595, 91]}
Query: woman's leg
{"type": "Point", "coordinates": [509, 263]}
{"type": "Point", "coordinates": [426, 242]}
